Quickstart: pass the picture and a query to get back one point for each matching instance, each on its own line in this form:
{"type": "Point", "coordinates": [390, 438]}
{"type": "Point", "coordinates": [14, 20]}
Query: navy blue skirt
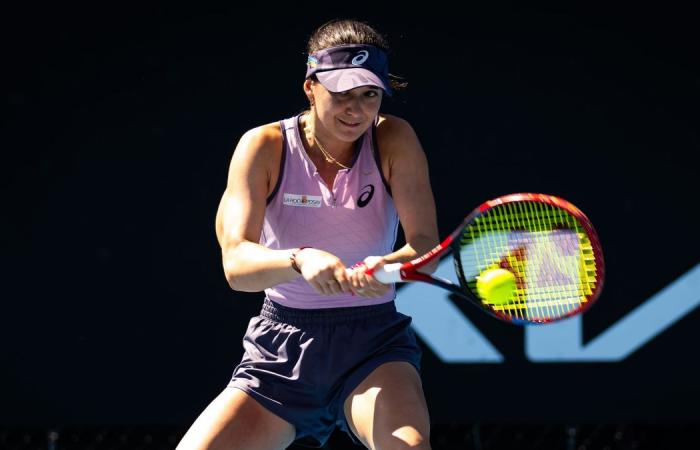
{"type": "Point", "coordinates": [302, 364]}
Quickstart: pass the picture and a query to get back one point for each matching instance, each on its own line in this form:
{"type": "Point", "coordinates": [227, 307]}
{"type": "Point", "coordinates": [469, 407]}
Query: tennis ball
{"type": "Point", "coordinates": [496, 286]}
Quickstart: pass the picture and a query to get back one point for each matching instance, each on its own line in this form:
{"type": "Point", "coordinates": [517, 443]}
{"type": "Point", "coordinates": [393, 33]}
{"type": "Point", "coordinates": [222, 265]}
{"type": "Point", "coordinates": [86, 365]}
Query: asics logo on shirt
{"type": "Point", "coordinates": [360, 58]}
{"type": "Point", "coordinates": [365, 195]}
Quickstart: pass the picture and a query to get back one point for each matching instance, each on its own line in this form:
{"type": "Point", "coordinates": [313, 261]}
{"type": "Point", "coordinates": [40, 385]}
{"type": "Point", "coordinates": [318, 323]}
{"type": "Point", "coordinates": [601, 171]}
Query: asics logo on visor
{"type": "Point", "coordinates": [360, 58]}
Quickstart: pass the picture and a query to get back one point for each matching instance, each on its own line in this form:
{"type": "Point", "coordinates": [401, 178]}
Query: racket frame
{"type": "Point", "coordinates": [408, 270]}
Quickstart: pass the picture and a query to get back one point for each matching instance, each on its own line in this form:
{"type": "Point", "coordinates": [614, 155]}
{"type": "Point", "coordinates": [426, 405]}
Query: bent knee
{"type": "Point", "coordinates": [406, 437]}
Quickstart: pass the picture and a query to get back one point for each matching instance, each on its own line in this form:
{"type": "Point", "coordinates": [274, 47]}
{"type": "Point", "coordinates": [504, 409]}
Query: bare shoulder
{"type": "Point", "coordinates": [265, 141]}
{"type": "Point", "coordinates": [259, 150]}
{"type": "Point", "coordinates": [393, 129]}
{"type": "Point", "coordinates": [395, 136]}
{"type": "Point", "coordinates": [396, 139]}
{"type": "Point", "coordinates": [249, 181]}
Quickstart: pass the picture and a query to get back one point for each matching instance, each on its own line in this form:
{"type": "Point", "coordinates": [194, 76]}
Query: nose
{"type": "Point", "coordinates": [353, 106]}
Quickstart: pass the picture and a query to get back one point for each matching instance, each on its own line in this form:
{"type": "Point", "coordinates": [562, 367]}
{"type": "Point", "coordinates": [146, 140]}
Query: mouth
{"type": "Point", "coordinates": [350, 125]}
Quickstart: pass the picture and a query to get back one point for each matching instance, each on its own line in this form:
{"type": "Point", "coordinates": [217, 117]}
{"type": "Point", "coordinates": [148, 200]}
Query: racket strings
{"type": "Point", "coordinates": [546, 249]}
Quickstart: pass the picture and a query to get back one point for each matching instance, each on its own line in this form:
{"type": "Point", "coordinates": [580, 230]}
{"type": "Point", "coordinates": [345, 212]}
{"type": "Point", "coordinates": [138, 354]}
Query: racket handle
{"type": "Point", "coordinates": [388, 273]}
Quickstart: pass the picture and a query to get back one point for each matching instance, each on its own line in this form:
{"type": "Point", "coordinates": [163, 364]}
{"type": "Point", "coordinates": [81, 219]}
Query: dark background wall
{"type": "Point", "coordinates": [118, 126]}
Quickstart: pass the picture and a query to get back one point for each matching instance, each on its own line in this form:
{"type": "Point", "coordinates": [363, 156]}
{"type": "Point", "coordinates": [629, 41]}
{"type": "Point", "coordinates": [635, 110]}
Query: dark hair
{"type": "Point", "coordinates": [348, 31]}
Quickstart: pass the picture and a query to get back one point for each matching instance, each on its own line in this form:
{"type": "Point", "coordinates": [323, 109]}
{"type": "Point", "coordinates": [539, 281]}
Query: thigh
{"type": "Point", "coordinates": [234, 420]}
{"type": "Point", "coordinates": [388, 409]}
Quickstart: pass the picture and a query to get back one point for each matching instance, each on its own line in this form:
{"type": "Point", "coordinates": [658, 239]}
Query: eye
{"type": "Point", "coordinates": [371, 94]}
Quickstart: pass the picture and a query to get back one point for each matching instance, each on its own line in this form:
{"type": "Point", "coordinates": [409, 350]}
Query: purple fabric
{"type": "Point", "coordinates": [307, 212]}
{"type": "Point", "coordinates": [303, 364]}
{"type": "Point", "coordinates": [346, 67]}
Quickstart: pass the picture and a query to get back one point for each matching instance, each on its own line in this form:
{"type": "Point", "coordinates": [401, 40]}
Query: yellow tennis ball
{"type": "Point", "coordinates": [496, 286]}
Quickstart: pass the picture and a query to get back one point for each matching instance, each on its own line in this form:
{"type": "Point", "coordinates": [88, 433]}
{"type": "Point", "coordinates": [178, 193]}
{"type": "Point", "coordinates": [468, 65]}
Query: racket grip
{"type": "Point", "coordinates": [388, 273]}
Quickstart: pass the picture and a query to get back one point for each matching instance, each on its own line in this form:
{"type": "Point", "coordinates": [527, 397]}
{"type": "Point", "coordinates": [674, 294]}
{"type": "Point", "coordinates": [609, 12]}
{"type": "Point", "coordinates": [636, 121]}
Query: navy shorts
{"type": "Point", "coordinates": [302, 364]}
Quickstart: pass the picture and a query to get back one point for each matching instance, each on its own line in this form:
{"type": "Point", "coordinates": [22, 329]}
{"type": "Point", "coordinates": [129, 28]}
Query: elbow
{"type": "Point", "coordinates": [237, 279]}
{"type": "Point", "coordinates": [233, 282]}
{"type": "Point", "coordinates": [239, 283]}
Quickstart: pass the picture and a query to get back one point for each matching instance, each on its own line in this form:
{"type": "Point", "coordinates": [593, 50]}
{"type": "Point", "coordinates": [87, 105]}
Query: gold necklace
{"type": "Point", "coordinates": [327, 155]}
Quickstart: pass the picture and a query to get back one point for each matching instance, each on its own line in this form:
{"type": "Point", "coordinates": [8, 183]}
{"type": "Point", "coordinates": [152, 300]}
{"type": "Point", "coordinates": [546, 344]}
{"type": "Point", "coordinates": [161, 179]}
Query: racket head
{"type": "Point", "coordinates": [547, 244]}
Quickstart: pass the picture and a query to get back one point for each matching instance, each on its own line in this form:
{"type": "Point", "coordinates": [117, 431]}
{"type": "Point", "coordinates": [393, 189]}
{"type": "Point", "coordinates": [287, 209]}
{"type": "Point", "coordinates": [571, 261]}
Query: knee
{"type": "Point", "coordinates": [406, 437]}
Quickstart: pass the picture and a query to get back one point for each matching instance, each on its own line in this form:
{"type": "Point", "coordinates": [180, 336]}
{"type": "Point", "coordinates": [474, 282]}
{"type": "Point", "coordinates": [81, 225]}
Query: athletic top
{"type": "Point", "coordinates": [352, 219]}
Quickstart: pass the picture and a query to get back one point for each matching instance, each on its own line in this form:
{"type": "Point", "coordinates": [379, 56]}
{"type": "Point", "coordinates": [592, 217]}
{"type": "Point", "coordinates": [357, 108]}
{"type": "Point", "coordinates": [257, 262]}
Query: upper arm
{"type": "Point", "coordinates": [408, 177]}
{"type": "Point", "coordinates": [242, 208]}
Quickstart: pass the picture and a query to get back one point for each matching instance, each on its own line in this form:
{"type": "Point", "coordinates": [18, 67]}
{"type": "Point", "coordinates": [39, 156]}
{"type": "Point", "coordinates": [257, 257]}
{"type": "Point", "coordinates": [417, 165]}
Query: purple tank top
{"type": "Point", "coordinates": [352, 219]}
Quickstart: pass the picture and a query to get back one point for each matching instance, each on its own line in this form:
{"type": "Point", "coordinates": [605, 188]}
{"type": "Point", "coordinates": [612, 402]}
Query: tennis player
{"type": "Point", "coordinates": [307, 198]}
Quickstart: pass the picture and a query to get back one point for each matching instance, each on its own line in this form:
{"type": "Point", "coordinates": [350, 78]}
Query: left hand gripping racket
{"type": "Point", "coordinates": [546, 243]}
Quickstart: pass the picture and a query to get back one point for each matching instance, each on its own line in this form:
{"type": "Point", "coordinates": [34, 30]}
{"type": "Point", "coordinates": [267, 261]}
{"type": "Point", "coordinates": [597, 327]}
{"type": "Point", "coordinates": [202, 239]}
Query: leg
{"type": "Point", "coordinates": [234, 420]}
{"type": "Point", "coordinates": [388, 410]}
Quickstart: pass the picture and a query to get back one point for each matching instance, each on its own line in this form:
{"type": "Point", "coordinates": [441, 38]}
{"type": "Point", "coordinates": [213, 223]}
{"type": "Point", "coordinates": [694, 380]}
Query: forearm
{"type": "Point", "coordinates": [251, 267]}
{"type": "Point", "coordinates": [417, 246]}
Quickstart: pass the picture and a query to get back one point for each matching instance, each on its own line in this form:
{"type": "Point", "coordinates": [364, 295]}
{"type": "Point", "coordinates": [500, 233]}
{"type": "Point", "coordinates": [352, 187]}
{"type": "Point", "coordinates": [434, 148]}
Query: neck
{"type": "Point", "coordinates": [324, 145]}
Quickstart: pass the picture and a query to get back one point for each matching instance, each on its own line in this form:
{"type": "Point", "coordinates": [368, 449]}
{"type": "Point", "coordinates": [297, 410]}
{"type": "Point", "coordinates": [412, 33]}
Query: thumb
{"type": "Point", "coordinates": [373, 263]}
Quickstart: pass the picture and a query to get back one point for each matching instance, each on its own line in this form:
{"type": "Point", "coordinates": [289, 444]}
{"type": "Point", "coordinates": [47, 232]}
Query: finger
{"type": "Point", "coordinates": [355, 280]}
{"type": "Point", "coordinates": [362, 293]}
{"type": "Point", "coordinates": [341, 276]}
{"type": "Point", "coordinates": [373, 262]}
{"type": "Point", "coordinates": [351, 278]}
{"type": "Point", "coordinates": [370, 292]}
{"type": "Point", "coordinates": [345, 286]}
{"type": "Point", "coordinates": [333, 287]}
{"type": "Point", "coordinates": [375, 284]}
{"type": "Point", "coordinates": [366, 287]}
{"type": "Point", "coordinates": [319, 287]}
{"type": "Point", "coordinates": [354, 285]}
{"type": "Point", "coordinates": [362, 284]}
{"type": "Point", "coordinates": [374, 288]}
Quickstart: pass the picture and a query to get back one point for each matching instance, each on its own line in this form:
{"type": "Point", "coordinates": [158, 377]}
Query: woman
{"type": "Point", "coordinates": [306, 198]}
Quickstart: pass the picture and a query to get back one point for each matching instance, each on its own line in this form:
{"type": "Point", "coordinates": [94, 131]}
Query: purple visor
{"type": "Point", "coordinates": [346, 67]}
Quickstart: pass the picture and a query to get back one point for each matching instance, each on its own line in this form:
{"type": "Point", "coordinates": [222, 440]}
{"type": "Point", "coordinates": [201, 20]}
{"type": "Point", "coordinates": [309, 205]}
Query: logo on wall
{"type": "Point", "coordinates": [365, 195]}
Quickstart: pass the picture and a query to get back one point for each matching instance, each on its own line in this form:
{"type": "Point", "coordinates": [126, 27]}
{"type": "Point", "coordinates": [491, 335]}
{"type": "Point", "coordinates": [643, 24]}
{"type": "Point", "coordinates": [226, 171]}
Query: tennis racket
{"type": "Point", "coordinates": [543, 249]}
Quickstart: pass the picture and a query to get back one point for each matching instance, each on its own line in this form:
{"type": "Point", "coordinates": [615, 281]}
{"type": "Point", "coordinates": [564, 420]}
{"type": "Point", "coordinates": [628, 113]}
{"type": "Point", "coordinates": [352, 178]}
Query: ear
{"type": "Point", "coordinates": [308, 90]}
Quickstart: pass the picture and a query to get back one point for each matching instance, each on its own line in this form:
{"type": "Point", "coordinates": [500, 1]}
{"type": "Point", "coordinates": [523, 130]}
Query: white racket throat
{"type": "Point", "coordinates": [388, 273]}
